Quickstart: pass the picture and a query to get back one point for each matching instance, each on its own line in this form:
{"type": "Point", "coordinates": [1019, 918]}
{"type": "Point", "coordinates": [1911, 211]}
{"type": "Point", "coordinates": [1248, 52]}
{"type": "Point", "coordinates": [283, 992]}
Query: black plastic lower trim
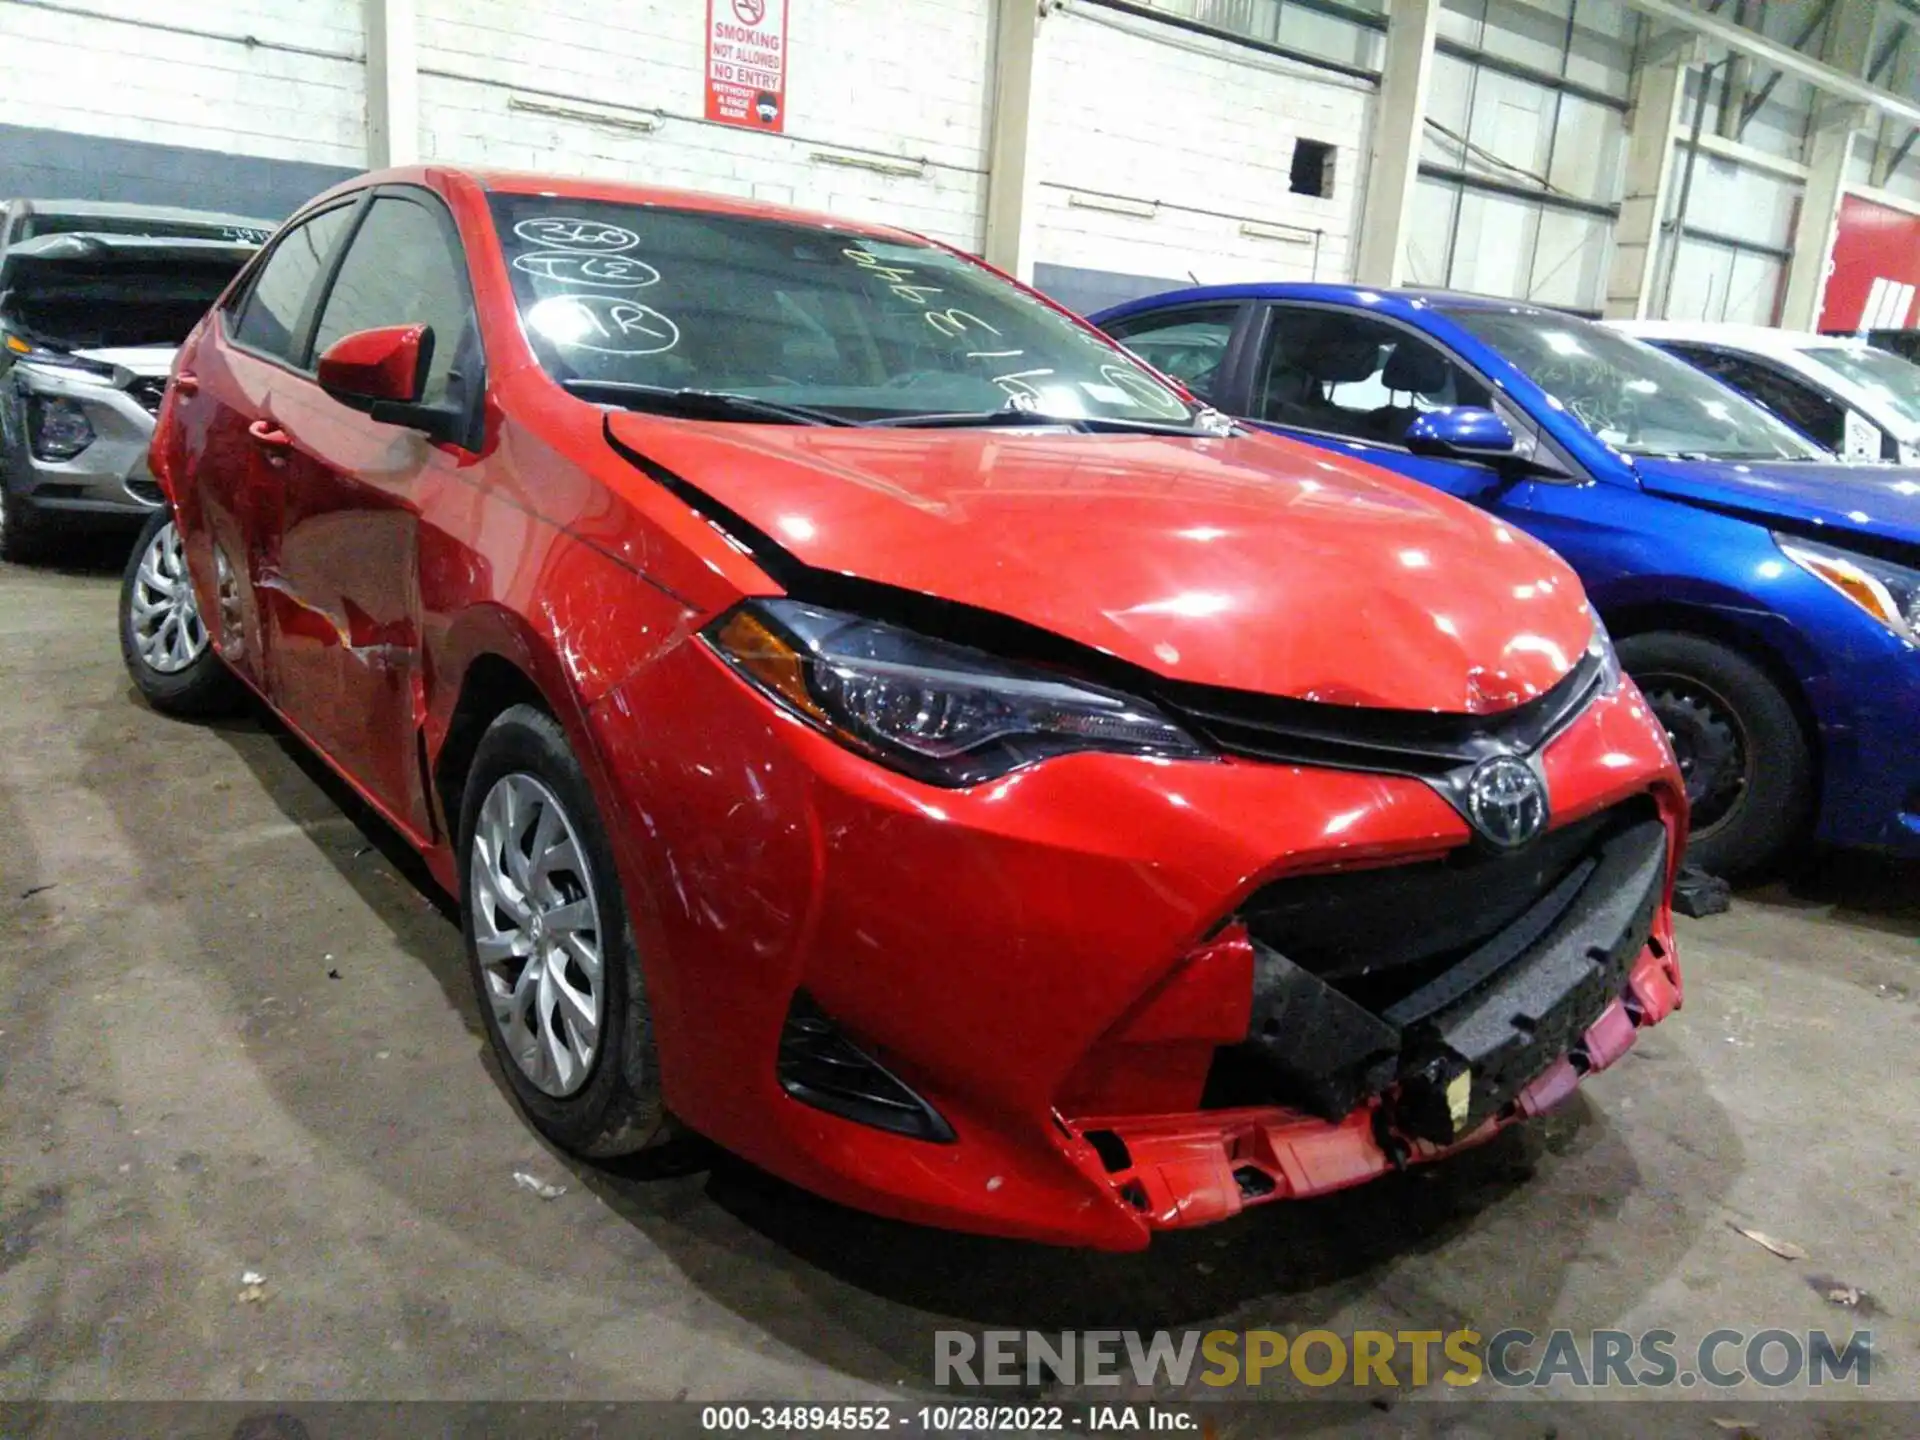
{"type": "Point", "coordinates": [821, 1067]}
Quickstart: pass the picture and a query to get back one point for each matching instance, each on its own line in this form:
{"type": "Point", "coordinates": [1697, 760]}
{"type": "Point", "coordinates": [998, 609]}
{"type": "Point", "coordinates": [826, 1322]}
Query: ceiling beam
{"type": "Point", "coordinates": [1772, 52]}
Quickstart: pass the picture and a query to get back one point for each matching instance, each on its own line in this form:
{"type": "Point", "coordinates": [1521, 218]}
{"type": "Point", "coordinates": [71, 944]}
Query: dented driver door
{"type": "Point", "coordinates": [348, 644]}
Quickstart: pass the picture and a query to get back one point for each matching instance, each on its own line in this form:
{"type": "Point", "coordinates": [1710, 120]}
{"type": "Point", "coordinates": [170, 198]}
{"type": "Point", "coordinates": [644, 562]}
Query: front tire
{"type": "Point", "coordinates": [549, 947]}
{"type": "Point", "coordinates": [1748, 767]}
{"type": "Point", "coordinates": [162, 637]}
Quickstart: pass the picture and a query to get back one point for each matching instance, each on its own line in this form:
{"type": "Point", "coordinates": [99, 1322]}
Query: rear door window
{"type": "Point", "coordinates": [274, 318]}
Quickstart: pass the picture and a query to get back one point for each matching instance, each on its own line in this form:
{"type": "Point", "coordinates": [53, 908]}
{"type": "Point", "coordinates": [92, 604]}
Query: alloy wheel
{"type": "Point", "coordinates": [163, 616]}
{"type": "Point", "coordinates": [536, 928]}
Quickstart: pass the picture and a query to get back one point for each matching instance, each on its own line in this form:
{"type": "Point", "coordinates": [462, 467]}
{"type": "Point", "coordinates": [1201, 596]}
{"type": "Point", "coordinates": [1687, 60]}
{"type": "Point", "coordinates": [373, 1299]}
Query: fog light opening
{"type": "Point", "coordinates": [1254, 1184]}
{"type": "Point", "coordinates": [1111, 1149]}
{"type": "Point", "coordinates": [819, 1066]}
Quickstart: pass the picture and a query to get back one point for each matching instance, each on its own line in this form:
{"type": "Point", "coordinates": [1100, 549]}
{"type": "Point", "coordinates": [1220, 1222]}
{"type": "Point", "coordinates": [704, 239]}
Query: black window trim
{"type": "Point", "coordinates": [1227, 394]}
{"type": "Point", "coordinates": [1508, 409]}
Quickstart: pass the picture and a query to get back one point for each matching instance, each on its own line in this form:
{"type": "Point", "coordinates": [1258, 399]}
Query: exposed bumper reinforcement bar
{"type": "Point", "coordinates": [1183, 1170]}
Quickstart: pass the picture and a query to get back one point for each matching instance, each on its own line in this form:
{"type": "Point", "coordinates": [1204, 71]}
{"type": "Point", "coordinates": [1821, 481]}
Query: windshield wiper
{"type": "Point", "coordinates": [1019, 415]}
{"type": "Point", "coordinates": [1725, 457]}
{"type": "Point", "coordinates": [699, 404]}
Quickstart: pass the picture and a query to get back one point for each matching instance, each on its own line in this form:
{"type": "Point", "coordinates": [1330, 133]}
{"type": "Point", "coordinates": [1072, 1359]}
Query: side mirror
{"type": "Point", "coordinates": [383, 374]}
{"type": "Point", "coordinates": [1461, 432]}
{"type": "Point", "coordinates": [370, 367]}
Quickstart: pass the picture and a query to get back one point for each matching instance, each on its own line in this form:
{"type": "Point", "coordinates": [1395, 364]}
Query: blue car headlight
{"type": "Point", "coordinates": [946, 714]}
{"type": "Point", "coordinates": [1888, 592]}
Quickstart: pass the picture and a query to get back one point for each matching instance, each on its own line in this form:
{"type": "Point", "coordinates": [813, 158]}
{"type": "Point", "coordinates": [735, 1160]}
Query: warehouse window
{"type": "Point", "coordinates": [1312, 168]}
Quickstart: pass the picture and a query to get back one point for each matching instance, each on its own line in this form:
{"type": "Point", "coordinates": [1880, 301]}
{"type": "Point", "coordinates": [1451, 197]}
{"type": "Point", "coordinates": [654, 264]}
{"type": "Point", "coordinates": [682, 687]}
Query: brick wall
{"type": "Point", "coordinates": [1131, 114]}
{"type": "Point", "coordinates": [886, 81]}
{"type": "Point", "coordinates": [175, 72]}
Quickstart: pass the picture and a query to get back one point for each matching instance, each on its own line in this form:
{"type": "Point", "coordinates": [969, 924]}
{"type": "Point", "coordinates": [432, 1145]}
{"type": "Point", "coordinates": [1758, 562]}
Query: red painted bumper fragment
{"type": "Point", "coordinates": [1198, 1168]}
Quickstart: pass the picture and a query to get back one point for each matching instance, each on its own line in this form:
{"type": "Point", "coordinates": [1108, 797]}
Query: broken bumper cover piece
{"type": "Point", "coordinates": [1196, 1169]}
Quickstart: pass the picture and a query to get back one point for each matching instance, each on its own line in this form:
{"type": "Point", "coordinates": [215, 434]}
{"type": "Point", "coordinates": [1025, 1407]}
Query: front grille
{"type": "Point", "coordinates": [149, 391]}
{"type": "Point", "coordinates": [1379, 933]}
{"type": "Point", "coordinates": [819, 1066]}
{"type": "Point", "coordinates": [1426, 744]}
{"type": "Point", "coordinates": [1403, 979]}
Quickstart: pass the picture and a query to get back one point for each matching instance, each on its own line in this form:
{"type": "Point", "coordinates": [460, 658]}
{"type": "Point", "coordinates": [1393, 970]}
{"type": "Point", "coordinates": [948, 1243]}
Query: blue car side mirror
{"type": "Point", "coordinates": [1461, 432]}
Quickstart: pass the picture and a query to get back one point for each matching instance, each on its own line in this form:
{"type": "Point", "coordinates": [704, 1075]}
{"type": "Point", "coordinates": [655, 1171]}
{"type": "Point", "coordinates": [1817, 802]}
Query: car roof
{"type": "Point", "coordinates": [620, 192]}
{"type": "Point", "coordinates": [115, 210]}
{"type": "Point", "coordinates": [1760, 339]}
{"type": "Point", "coordinates": [1403, 300]}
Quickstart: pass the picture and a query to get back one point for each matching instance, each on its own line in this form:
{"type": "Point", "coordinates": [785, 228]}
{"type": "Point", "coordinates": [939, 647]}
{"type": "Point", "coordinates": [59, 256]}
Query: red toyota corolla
{"type": "Point", "coordinates": [869, 716]}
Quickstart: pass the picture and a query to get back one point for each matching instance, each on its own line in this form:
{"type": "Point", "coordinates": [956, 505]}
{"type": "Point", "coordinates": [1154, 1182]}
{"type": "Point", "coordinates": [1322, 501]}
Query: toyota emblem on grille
{"type": "Point", "coordinates": [1506, 801]}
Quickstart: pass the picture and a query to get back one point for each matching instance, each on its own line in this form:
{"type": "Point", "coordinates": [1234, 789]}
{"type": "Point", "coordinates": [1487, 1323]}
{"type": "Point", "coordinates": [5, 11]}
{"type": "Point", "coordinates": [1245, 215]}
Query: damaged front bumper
{"type": "Point", "coordinates": [1028, 1008]}
{"type": "Point", "coordinates": [1474, 1050]}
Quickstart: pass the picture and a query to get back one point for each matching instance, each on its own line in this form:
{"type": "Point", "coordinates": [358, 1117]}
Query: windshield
{"type": "Point", "coordinates": [110, 302]}
{"type": "Point", "coordinates": [840, 324]}
{"type": "Point", "coordinates": [1893, 381]}
{"type": "Point", "coordinates": [1632, 396]}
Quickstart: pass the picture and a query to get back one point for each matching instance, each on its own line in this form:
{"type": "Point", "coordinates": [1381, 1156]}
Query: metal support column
{"type": "Point", "coordinates": [1830, 147]}
{"type": "Point", "coordinates": [393, 84]}
{"type": "Point", "coordinates": [1649, 177]}
{"type": "Point", "coordinates": [1398, 124]}
{"type": "Point", "coordinates": [1011, 176]}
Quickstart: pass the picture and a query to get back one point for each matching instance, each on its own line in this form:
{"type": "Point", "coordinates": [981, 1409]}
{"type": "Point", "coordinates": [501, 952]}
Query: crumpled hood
{"type": "Point", "coordinates": [1878, 500]}
{"type": "Point", "coordinates": [1254, 563]}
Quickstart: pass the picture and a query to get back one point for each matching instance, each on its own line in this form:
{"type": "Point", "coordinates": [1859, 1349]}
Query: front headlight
{"type": "Point", "coordinates": [942, 713]}
{"type": "Point", "coordinates": [57, 428]}
{"type": "Point", "coordinates": [1888, 592]}
{"type": "Point", "coordinates": [1601, 648]}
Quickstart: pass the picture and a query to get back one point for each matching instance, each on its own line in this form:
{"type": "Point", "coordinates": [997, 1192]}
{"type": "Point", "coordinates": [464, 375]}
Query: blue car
{"type": "Point", "coordinates": [1765, 597]}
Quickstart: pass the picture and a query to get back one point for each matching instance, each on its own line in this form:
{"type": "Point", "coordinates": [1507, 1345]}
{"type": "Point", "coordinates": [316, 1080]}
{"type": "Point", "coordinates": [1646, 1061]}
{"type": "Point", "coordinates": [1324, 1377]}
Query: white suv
{"type": "Point", "coordinates": [94, 300]}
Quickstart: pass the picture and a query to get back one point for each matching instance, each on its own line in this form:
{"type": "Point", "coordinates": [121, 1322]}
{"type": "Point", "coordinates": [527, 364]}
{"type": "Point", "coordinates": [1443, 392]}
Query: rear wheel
{"type": "Point", "coordinates": [1748, 768]}
{"type": "Point", "coordinates": [162, 637]}
{"type": "Point", "coordinates": [552, 956]}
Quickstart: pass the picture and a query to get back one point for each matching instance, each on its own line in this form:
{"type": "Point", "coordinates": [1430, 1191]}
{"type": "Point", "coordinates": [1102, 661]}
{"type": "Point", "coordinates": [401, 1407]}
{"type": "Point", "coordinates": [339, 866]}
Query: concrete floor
{"type": "Point", "coordinates": [186, 1094]}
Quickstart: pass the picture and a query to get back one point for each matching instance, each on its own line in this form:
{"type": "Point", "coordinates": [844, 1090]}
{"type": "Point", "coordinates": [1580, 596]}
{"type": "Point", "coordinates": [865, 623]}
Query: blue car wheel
{"type": "Point", "coordinates": [1748, 768]}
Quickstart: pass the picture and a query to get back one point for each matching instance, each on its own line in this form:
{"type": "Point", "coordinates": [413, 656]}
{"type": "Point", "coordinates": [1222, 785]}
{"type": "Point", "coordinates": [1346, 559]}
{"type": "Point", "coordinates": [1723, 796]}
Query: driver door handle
{"type": "Point", "coordinates": [270, 436]}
